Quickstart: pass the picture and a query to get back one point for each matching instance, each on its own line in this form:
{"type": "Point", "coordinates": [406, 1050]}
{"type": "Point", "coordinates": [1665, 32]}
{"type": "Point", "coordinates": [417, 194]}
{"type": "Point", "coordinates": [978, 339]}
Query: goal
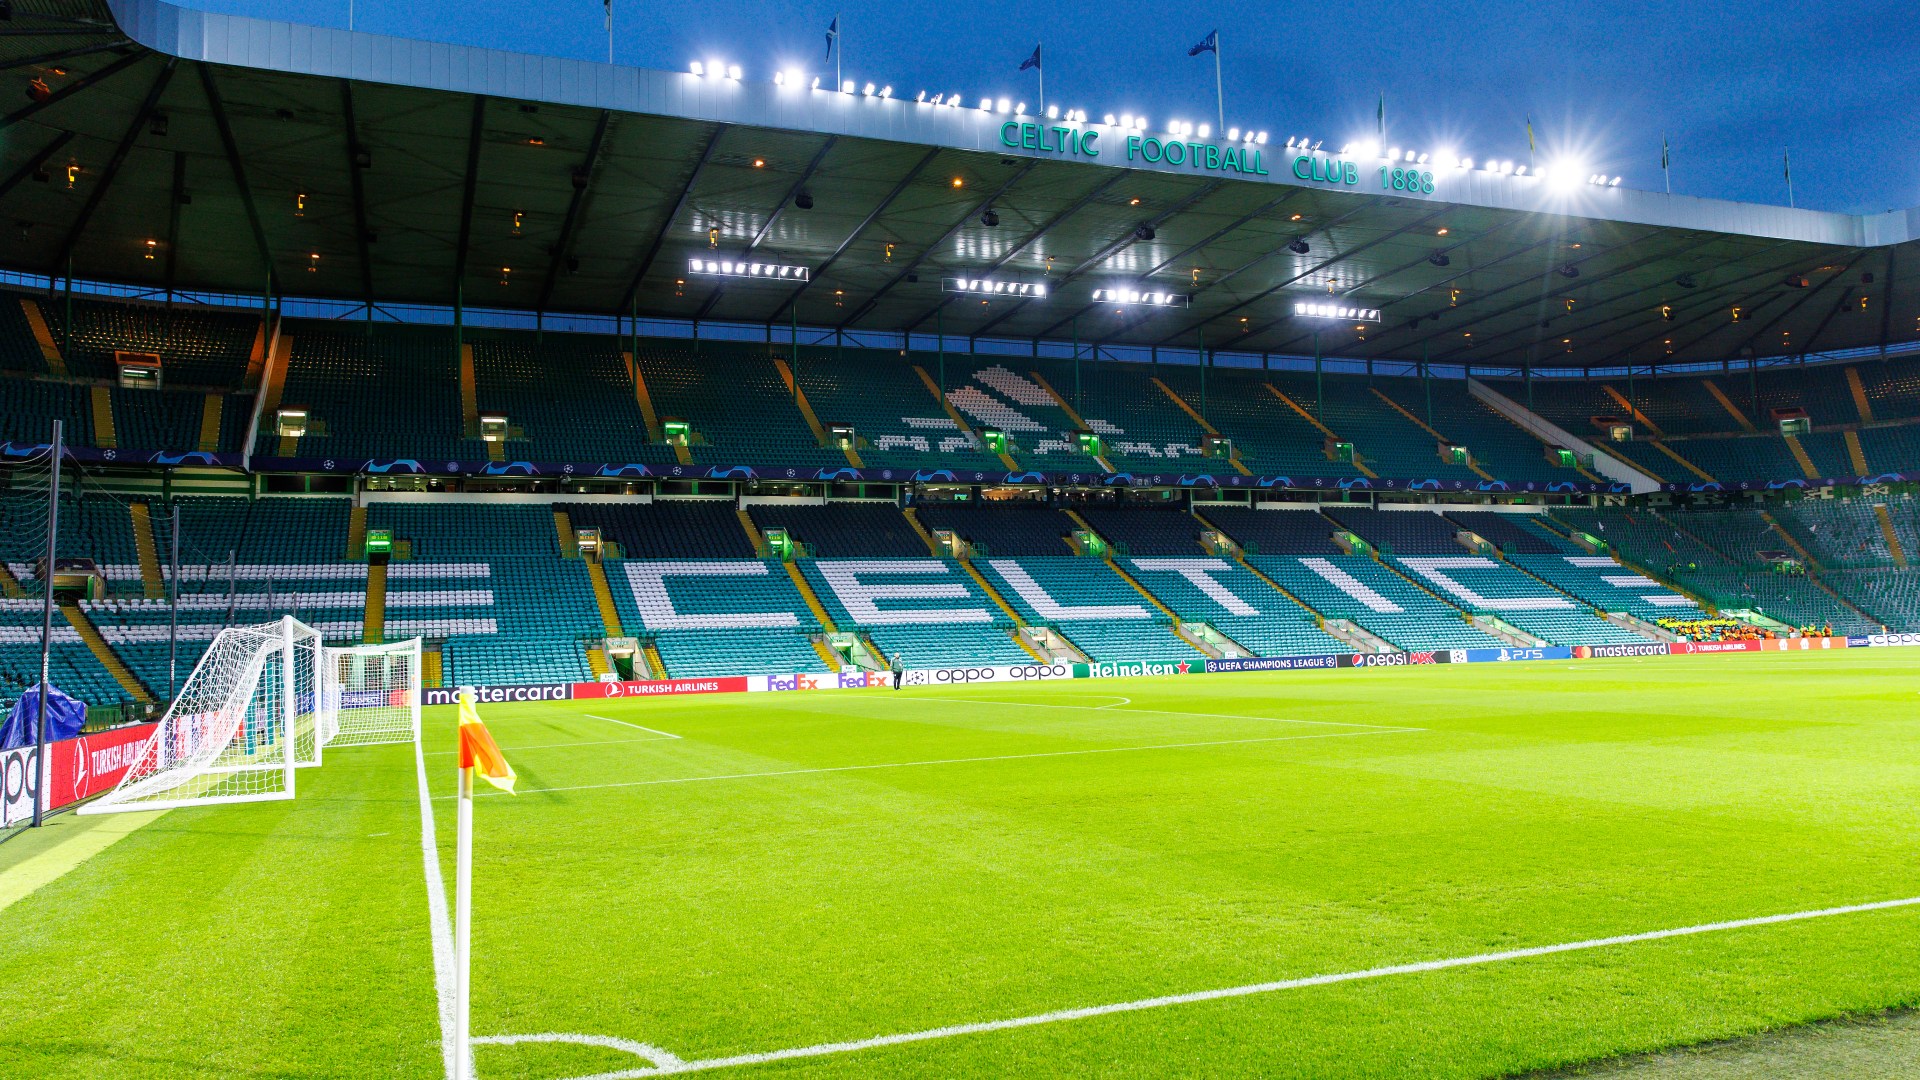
{"type": "Point", "coordinates": [263, 702]}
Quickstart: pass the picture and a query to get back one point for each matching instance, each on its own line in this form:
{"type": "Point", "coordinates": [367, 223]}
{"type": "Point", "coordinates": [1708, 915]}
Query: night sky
{"type": "Point", "coordinates": [1731, 86]}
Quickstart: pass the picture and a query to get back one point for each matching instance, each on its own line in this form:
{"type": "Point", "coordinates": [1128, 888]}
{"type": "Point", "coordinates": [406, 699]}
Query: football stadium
{"type": "Point", "coordinates": [540, 569]}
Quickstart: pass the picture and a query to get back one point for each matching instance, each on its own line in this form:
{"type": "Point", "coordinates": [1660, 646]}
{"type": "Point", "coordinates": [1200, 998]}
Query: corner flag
{"type": "Point", "coordinates": [479, 752]}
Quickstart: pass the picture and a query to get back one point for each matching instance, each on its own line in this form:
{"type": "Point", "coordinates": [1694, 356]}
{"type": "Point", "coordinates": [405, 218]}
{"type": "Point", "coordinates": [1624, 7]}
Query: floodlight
{"type": "Point", "coordinates": [733, 72]}
{"type": "Point", "coordinates": [697, 68]}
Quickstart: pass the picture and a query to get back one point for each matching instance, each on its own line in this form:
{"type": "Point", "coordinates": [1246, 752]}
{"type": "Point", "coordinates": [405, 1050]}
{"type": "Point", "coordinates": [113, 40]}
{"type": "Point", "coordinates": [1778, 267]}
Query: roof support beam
{"type": "Point", "coordinates": [178, 199]}
{"type": "Point", "coordinates": [35, 163]}
{"type": "Point", "coordinates": [872, 216]}
{"type": "Point", "coordinates": [1014, 252]}
{"type": "Point", "coordinates": [766, 227]}
{"type": "Point", "coordinates": [475, 129]}
{"type": "Point", "coordinates": [914, 266]}
{"type": "Point", "coordinates": [112, 170]}
{"type": "Point", "coordinates": [1201, 326]}
{"type": "Point", "coordinates": [34, 107]}
{"type": "Point", "coordinates": [63, 54]}
{"type": "Point", "coordinates": [582, 187]}
{"type": "Point", "coordinates": [666, 223]}
{"type": "Point", "coordinates": [1886, 302]}
{"type": "Point", "coordinates": [1713, 307]}
{"type": "Point", "coordinates": [239, 167]}
{"type": "Point", "coordinates": [1124, 242]}
{"type": "Point", "coordinates": [360, 236]}
{"type": "Point", "coordinates": [1475, 312]}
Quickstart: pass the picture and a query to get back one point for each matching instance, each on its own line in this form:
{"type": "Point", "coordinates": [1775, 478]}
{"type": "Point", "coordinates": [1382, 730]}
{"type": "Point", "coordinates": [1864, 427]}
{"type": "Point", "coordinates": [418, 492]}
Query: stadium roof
{"type": "Point", "coordinates": [186, 150]}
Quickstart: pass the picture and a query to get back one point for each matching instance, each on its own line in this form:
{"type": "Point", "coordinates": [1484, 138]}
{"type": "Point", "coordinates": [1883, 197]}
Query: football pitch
{"type": "Point", "coordinates": [1454, 871]}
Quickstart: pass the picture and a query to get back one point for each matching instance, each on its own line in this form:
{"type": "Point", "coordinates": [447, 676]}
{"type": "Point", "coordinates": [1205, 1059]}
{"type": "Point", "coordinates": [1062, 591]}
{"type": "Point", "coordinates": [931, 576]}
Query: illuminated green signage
{"type": "Point", "coordinates": [1206, 157]}
{"type": "Point", "coordinates": [1198, 155]}
{"type": "Point", "coordinates": [1078, 142]}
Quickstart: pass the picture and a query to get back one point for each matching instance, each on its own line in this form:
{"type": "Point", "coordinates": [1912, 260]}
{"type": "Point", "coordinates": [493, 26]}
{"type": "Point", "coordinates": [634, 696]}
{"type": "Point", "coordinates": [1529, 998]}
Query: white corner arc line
{"type": "Point", "coordinates": [623, 723]}
{"type": "Point", "coordinates": [440, 924]}
{"type": "Point", "coordinates": [1165, 1001]}
{"type": "Point", "coordinates": [560, 745]}
{"type": "Point", "coordinates": [660, 1058]}
{"type": "Point", "coordinates": [961, 761]}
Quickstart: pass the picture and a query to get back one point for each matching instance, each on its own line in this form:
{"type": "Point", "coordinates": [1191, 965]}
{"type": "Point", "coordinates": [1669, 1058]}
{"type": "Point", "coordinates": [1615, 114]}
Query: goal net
{"type": "Point", "coordinates": [263, 702]}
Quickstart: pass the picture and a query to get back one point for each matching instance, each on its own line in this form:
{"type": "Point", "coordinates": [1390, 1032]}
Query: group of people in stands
{"type": "Point", "coordinates": [1724, 629]}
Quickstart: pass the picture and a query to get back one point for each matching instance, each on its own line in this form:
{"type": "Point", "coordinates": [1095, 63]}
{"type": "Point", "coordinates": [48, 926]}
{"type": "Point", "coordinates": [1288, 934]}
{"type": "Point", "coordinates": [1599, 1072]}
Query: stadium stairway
{"type": "Point", "coordinates": [814, 606]}
{"type": "Point", "coordinates": [356, 533]}
{"type": "Point", "coordinates": [90, 636]}
{"type": "Point", "coordinates": [1887, 531]}
{"type": "Point", "coordinates": [1182, 404]}
{"type": "Point", "coordinates": [1800, 457]}
{"type": "Point", "coordinates": [806, 412]}
{"type": "Point", "coordinates": [1322, 428]}
{"type": "Point", "coordinates": [1424, 426]}
{"type": "Point", "coordinates": [1856, 454]}
{"type": "Point", "coordinates": [603, 599]}
{"type": "Point", "coordinates": [152, 585]}
{"type": "Point", "coordinates": [960, 422]}
{"type": "Point", "coordinates": [913, 519]}
{"type": "Point", "coordinates": [1061, 403]}
{"type": "Point", "coordinates": [43, 336]}
{"type": "Point", "coordinates": [373, 625]}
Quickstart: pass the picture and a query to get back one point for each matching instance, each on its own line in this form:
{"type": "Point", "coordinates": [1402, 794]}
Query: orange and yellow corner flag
{"type": "Point", "coordinates": [479, 752]}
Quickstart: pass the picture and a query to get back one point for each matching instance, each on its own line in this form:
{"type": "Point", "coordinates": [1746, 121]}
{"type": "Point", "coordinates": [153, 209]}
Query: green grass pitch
{"type": "Point", "coordinates": [799, 869]}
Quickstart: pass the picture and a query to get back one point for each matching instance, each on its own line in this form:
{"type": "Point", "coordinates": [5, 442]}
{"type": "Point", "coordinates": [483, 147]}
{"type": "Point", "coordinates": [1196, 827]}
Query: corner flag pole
{"type": "Point", "coordinates": [478, 754]}
{"type": "Point", "coordinates": [463, 930]}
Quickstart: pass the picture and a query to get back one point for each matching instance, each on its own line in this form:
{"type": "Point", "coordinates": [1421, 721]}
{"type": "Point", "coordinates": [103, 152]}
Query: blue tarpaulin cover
{"type": "Point", "coordinates": [67, 717]}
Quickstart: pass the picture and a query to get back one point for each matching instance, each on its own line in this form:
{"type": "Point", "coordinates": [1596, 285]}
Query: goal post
{"type": "Point", "coordinates": [263, 702]}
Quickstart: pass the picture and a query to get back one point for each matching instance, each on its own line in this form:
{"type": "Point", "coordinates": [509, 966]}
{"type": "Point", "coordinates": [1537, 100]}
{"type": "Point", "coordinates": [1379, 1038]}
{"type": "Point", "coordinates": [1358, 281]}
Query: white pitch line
{"type": "Point", "coordinates": [564, 745]}
{"type": "Point", "coordinates": [1089, 1012]}
{"type": "Point", "coordinates": [958, 761]}
{"type": "Point", "coordinates": [440, 926]}
{"type": "Point", "coordinates": [623, 723]}
{"type": "Point", "coordinates": [1164, 712]}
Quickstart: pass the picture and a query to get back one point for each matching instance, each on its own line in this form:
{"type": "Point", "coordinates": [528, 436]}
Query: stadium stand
{"type": "Point", "coordinates": [1017, 528]}
{"type": "Point", "coordinates": [1398, 532]}
{"type": "Point", "coordinates": [1097, 610]}
{"type": "Point", "coordinates": [1145, 530]}
{"type": "Point", "coordinates": [844, 530]}
{"type": "Point", "coordinates": [1232, 600]}
{"type": "Point", "coordinates": [374, 390]}
{"type": "Point", "coordinates": [1273, 532]}
{"type": "Point", "coordinates": [1374, 597]}
{"type": "Point", "coordinates": [667, 528]}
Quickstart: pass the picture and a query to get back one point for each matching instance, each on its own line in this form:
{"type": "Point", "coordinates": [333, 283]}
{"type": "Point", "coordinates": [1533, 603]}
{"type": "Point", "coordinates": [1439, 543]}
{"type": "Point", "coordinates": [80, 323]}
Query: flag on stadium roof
{"type": "Point", "coordinates": [1210, 43]}
{"type": "Point", "coordinates": [1031, 61]}
{"type": "Point", "coordinates": [479, 752]}
{"type": "Point", "coordinates": [833, 34]}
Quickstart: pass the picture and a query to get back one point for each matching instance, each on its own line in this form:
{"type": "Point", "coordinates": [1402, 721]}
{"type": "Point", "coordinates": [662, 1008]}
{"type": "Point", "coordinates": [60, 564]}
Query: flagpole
{"type": "Point", "coordinates": [1665, 168]}
{"type": "Point", "coordinates": [463, 930]}
{"type": "Point", "coordinates": [1041, 70]}
{"type": "Point", "coordinates": [1786, 157]}
{"type": "Point", "coordinates": [609, 31]}
{"type": "Point", "coordinates": [839, 53]}
{"type": "Point", "coordinates": [1219, 94]}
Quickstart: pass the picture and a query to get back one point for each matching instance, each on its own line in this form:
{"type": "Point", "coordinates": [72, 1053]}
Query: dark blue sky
{"type": "Point", "coordinates": [1730, 84]}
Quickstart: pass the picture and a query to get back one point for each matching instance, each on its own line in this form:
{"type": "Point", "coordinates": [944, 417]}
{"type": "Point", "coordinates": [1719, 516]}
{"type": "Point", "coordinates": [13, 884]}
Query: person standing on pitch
{"type": "Point", "coordinates": [898, 666]}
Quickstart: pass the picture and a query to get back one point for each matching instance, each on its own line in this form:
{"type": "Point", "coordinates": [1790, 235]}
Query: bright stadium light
{"type": "Point", "coordinates": [1141, 297]}
{"type": "Point", "coordinates": [1261, 138]}
{"type": "Point", "coordinates": [743, 268]}
{"type": "Point", "coordinates": [867, 91]}
{"type": "Point", "coordinates": [816, 82]}
{"type": "Point", "coordinates": [733, 72]}
{"type": "Point", "coordinates": [1108, 119]}
{"type": "Point", "coordinates": [1003, 105]}
{"type": "Point", "coordinates": [716, 69]}
{"type": "Point", "coordinates": [1020, 108]}
{"type": "Point", "coordinates": [1053, 112]}
{"type": "Point", "coordinates": [1615, 182]}
{"type": "Point", "coordinates": [986, 104]}
{"type": "Point", "coordinates": [1027, 290]}
{"type": "Point", "coordinates": [1206, 130]}
{"type": "Point", "coordinates": [1520, 171]}
{"type": "Point", "coordinates": [1126, 120]}
{"type": "Point", "coordinates": [847, 87]}
{"type": "Point", "coordinates": [697, 68]}
{"type": "Point", "coordinates": [1393, 154]}
{"type": "Point", "coordinates": [921, 97]}
{"type": "Point", "coordinates": [886, 91]}
{"type": "Point", "coordinates": [1466, 163]}
{"type": "Point", "coordinates": [1336, 311]}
